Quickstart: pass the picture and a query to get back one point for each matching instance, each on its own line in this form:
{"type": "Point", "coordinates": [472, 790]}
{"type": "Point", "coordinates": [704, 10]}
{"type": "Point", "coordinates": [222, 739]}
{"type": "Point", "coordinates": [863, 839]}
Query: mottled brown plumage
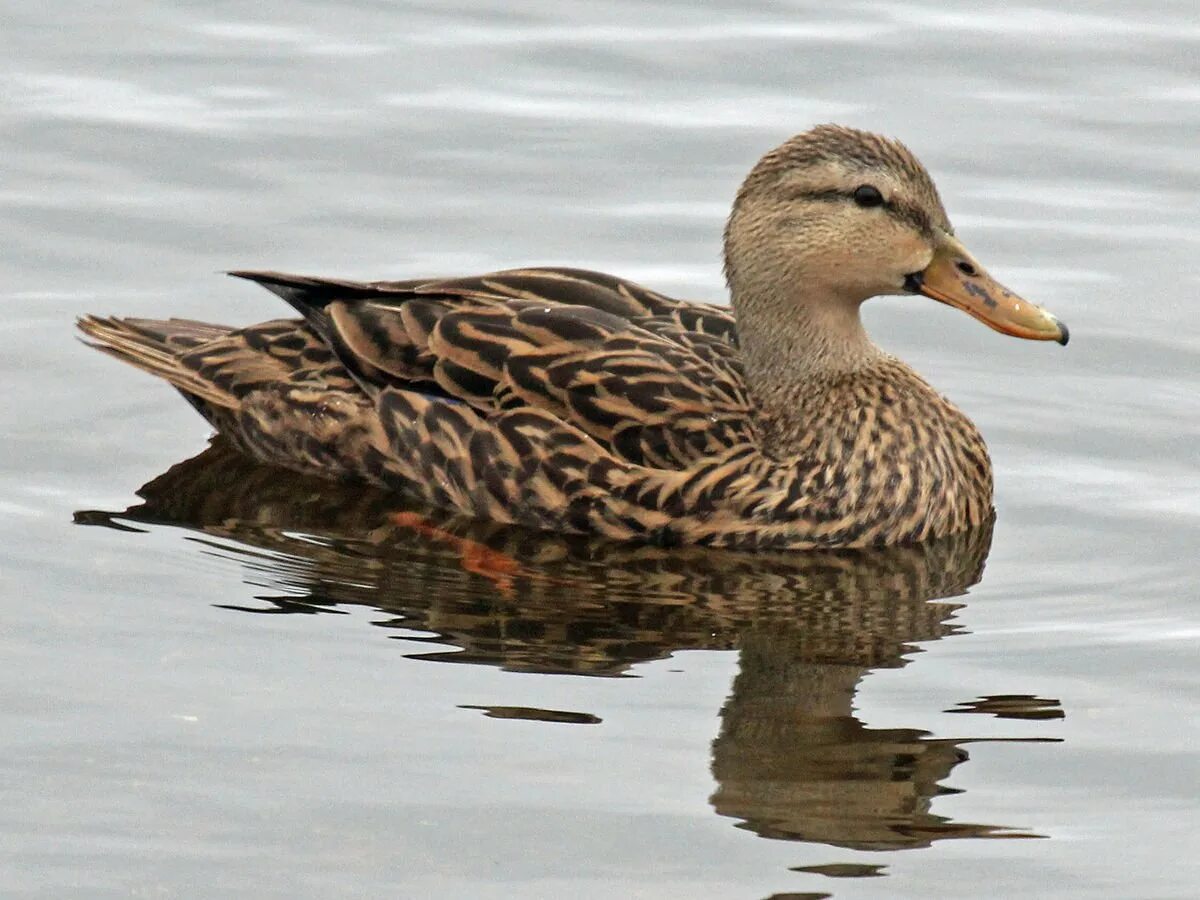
{"type": "Point", "coordinates": [579, 402]}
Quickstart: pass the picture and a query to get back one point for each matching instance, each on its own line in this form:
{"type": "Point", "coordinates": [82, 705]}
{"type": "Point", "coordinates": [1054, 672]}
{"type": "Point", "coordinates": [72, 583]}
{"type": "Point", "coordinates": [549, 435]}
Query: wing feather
{"type": "Point", "coordinates": [556, 397]}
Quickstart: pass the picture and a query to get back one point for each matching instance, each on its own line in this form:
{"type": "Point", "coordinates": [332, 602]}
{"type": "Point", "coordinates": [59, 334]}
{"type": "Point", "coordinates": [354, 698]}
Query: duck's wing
{"type": "Point", "coordinates": [582, 287]}
{"type": "Point", "coordinates": [618, 416]}
{"type": "Point", "coordinates": [654, 381]}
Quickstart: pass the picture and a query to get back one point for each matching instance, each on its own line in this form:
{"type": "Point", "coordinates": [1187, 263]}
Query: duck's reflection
{"type": "Point", "coordinates": [791, 760]}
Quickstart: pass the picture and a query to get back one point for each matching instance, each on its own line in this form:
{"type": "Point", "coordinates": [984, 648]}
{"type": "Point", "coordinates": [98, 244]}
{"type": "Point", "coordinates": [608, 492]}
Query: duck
{"type": "Point", "coordinates": [579, 402]}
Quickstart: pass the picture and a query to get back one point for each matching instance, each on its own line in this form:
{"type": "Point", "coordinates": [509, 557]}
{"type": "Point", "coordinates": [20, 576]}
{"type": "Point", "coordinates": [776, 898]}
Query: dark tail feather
{"type": "Point", "coordinates": [311, 296]}
{"type": "Point", "coordinates": [307, 294]}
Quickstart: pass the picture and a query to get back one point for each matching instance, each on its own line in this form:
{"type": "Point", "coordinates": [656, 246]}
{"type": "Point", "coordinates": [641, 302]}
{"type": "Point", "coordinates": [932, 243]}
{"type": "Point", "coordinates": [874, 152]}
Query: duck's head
{"type": "Point", "coordinates": [836, 215]}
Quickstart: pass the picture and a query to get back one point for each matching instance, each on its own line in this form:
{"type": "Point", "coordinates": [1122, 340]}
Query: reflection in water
{"type": "Point", "coordinates": [843, 870]}
{"type": "Point", "coordinates": [530, 713]}
{"type": "Point", "coordinates": [1012, 706]}
{"type": "Point", "coordinates": [791, 760]}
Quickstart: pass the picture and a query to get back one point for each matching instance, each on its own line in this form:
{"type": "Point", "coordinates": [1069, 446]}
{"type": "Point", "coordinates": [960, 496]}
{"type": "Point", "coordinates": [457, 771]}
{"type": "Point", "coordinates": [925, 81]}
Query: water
{"type": "Point", "coordinates": [236, 694]}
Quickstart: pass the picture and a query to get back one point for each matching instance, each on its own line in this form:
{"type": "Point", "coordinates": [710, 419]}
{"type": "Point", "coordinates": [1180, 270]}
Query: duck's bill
{"type": "Point", "coordinates": [956, 279]}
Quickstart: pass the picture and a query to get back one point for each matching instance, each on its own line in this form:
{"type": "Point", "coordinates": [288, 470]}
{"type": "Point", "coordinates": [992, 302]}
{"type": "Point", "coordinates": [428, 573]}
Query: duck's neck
{"type": "Point", "coordinates": [793, 347]}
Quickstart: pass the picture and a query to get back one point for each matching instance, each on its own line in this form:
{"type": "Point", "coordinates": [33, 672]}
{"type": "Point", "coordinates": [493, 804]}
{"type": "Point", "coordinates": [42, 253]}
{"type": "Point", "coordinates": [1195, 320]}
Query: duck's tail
{"type": "Point", "coordinates": [157, 346]}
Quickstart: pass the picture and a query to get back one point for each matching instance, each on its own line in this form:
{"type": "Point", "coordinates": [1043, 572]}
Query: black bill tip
{"type": "Point", "coordinates": [1064, 333]}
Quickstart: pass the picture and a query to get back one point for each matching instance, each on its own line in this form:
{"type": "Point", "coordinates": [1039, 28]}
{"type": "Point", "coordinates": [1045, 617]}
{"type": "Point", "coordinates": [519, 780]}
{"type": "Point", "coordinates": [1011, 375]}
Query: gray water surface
{"type": "Point", "coordinates": [243, 683]}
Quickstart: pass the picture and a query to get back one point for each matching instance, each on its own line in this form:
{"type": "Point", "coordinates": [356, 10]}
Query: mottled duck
{"type": "Point", "coordinates": [579, 402]}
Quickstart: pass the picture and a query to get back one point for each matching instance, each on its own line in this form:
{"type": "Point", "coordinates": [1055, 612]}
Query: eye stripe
{"type": "Point", "coordinates": [823, 196]}
{"type": "Point", "coordinates": [911, 215]}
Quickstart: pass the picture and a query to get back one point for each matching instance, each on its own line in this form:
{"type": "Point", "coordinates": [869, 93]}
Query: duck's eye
{"type": "Point", "coordinates": [867, 195]}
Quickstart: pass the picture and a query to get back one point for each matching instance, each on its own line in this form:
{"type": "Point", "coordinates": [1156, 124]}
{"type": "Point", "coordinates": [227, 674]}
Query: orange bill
{"type": "Point", "coordinates": [954, 277]}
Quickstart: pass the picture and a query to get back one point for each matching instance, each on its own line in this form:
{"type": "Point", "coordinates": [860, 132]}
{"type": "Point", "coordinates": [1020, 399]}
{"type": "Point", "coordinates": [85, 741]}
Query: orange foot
{"type": "Point", "coordinates": [478, 559]}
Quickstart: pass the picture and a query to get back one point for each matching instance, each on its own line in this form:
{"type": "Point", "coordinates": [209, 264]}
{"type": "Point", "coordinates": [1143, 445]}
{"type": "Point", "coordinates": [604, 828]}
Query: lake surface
{"type": "Point", "coordinates": [243, 683]}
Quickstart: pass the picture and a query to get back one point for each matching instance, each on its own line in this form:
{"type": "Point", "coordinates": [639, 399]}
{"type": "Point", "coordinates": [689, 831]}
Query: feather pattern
{"type": "Point", "coordinates": [556, 398]}
{"type": "Point", "coordinates": [580, 402]}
